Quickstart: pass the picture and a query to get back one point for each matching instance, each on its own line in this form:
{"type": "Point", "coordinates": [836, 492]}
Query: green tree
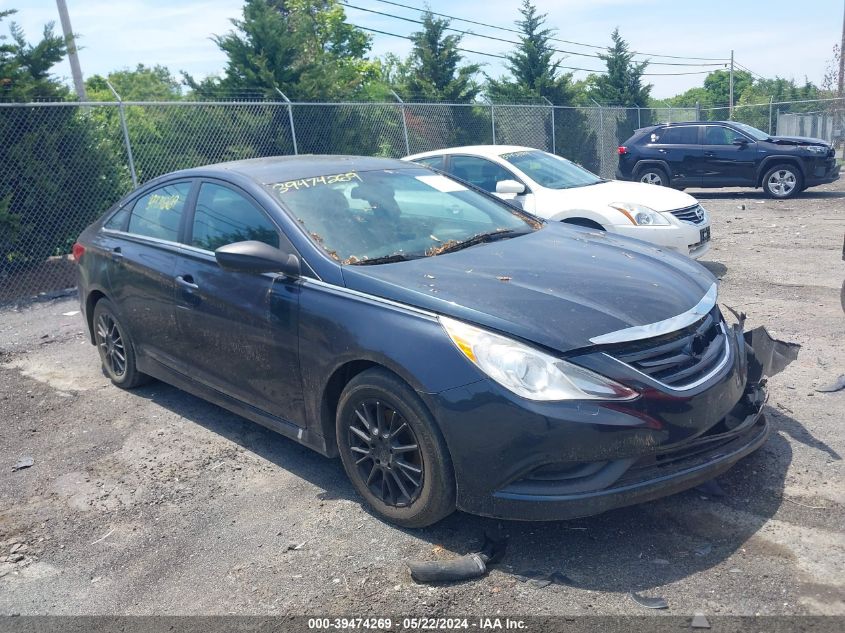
{"type": "Point", "coordinates": [143, 83]}
{"type": "Point", "coordinates": [533, 70]}
{"type": "Point", "coordinates": [718, 86]}
{"type": "Point", "coordinates": [535, 74]}
{"type": "Point", "coordinates": [56, 174]}
{"type": "Point", "coordinates": [305, 48]}
{"type": "Point", "coordinates": [622, 84]}
{"type": "Point", "coordinates": [436, 72]}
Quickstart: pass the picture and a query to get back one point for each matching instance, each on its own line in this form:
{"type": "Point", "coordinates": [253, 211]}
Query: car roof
{"type": "Point", "coordinates": [275, 169]}
{"type": "Point", "coordinates": [479, 150]}
{"type": "Point", "coordinates": [695, 123]}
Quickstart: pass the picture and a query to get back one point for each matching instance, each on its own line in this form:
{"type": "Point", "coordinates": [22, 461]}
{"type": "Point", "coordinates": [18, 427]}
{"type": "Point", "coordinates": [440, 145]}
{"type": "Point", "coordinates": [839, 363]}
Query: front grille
{"type": "Point", "coordinates": [694, 214]}
{"type": "Point", "coordinates": [682, 358]}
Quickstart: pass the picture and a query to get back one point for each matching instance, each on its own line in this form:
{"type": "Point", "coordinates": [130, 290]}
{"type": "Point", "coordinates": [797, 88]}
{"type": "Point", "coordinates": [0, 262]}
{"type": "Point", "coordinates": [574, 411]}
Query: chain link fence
{"type": "Point", "coordinates": [63, 164]}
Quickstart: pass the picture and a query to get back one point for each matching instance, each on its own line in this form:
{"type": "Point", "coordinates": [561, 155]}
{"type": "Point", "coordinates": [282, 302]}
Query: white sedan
{"type": "Point", "coordinates": [556, 189]}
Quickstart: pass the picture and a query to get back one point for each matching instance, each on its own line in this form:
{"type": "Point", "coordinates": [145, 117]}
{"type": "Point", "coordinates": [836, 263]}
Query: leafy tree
{"type": "Point", "coordinates": [435, 70]}
{"type": "Point", "coordinates": [718, 86]}
{"type": "Point", "coordinates": [305, 48]}
{"type": "Point", "coordinates": [56, 175]}
{"type": "Point", "coordinates": [143, 83]}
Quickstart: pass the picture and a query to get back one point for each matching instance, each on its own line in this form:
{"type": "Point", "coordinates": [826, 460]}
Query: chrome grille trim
{"type": "Point", "coordinates": [659, 328]}
{"type": "Point", "coordinates": [693, 215]}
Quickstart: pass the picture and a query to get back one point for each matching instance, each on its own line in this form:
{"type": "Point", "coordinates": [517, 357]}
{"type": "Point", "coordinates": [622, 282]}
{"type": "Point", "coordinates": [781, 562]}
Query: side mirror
{"type": "Point", "coordinates": [257, 257]}
{"type": "Point", "coordinates": [742, 142]}
{"type": "Point", "coordinates": [510, 186]}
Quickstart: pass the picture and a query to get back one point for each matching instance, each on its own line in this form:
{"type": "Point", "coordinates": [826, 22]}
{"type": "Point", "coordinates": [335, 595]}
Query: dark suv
{"type": "Point", "coordinates": [725, 154]}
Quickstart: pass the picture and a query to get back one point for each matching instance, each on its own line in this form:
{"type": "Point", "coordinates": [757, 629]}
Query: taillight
{"type": "Point", "coordinates": [78, 251]}
{"type": "Point", "coordinates": [622, 150]}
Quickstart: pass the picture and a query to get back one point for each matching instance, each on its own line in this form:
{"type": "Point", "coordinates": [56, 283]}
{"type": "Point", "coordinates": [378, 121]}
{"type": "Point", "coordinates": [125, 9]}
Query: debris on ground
{"type": "Point", "coordinates": [836, 385]}
{"type": "Point", "coordinates": [541, 579]}
{"type": "Point", "coordinates": [699, 622]}
{"type": "Point", "coordinates": [463, 568]}
{"type": "Point", "coordinates": [23, 462]}
{"type": "Point", "coordinates": [657, 602]}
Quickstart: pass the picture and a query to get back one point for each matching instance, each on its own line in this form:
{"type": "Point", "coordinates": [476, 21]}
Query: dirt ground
{"type": "Point", "coordinates": [154, 501]}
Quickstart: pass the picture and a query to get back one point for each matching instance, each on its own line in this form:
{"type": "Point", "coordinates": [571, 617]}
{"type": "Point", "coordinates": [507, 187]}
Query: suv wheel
{"type": "Point", "coordinates": [653, 176]}
{"type": "Point", "coordinates": [783, 181]}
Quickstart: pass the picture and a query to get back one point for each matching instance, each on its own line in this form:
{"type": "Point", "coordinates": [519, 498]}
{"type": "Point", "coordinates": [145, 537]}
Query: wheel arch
{"type": "Point", "coordinates": [90, 302]}
{"type": "Point", "coordinates": [771, 161]}
{"type": "Point", "coordinates": [330, 396]}
{"type": "Point", "coordinates": [651, 162]}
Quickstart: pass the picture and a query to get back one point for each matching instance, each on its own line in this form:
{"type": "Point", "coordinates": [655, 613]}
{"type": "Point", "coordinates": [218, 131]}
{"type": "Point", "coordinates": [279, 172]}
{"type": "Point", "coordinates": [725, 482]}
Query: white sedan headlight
{"type": "Point", "coordinates": [527, 371]}
{"type": "Point", "coordinates": [639, 214]}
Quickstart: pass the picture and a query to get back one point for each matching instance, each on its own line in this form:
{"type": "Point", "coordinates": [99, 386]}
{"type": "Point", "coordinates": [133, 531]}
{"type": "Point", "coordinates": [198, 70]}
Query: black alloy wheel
{"type": "Point", "coordinates": [392, 450]}
{"type": "Point", "coordinates": [388, 454]}
{"type": "Point", "coordinates": [117, 352]}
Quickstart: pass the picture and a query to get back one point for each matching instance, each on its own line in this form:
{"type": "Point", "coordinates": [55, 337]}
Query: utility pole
{"type": "Point", "coordinates": [842, 59]}
{"type": "Point", "coordinates": [73, 57]}
{"type": "Point", "coordinates": [731, 105]}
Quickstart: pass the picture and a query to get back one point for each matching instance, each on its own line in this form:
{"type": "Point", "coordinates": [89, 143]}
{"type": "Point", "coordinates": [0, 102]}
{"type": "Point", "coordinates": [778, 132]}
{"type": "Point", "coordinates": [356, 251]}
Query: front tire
{"type": "Point", "coordinates": [393, 452]}
{"type": "Point", "coordinates": [782, 182]}
{"type": "Point", "coordinates": [653, 176]}
{"type": "Point", "coordinates": [117, 352]}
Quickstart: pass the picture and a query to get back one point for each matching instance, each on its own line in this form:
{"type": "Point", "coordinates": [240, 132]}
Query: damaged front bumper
{"type": "Point", "coordinates": [567, 465]}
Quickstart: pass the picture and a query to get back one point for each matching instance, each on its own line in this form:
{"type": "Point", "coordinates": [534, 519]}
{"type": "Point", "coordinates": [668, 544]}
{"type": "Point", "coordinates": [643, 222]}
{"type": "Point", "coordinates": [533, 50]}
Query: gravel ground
{"type": "Point", "coordinates": [154, 501]}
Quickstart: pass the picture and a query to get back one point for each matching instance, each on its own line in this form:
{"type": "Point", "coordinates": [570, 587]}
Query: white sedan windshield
{"type": "Point", "coordinates": [552, 172]}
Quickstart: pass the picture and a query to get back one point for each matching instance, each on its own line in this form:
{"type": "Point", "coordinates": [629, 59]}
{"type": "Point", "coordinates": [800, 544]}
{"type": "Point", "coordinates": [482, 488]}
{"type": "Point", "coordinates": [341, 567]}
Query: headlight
{"type": "Point", "coordinates": [639, 214]}
{"type": "Point", "coordinates": [528, 372]}
{"type": "Point", "coordinates": [817, 149]}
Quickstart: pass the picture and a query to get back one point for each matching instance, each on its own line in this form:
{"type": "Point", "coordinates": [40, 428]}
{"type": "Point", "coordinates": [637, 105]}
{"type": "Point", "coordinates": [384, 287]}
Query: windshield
{"type": "Point", "coordinates": [551, 171]}
{"type": "Point", "coordinates": [760, 135]}
{"type": "Point", "coordinates": [391, 215]}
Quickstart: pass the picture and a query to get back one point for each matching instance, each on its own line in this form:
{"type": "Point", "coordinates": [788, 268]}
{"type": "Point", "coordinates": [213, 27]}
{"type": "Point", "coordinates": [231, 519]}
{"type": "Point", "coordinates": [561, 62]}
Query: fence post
{"type": "Point", "coordinates": [772, 98]}
{"type": "Point", "coordinates": [777, 122]}
{"type": "Point", "coordinates": [290, 118]}
{"type": "Point", "coordinates": [601, 136]}
{"type": "Point", "coordinates": [552, 108]}
{"type": "Point", "coordinates": [639, 118]}
{"type": "Point", "coordinates": [122, 114]}
{"type": "Point", "coordinates": [492, 119]}
{"type": "Point", "coordinates": [404, 122]}
{"type": "Point", "coordinates": [698, 111]}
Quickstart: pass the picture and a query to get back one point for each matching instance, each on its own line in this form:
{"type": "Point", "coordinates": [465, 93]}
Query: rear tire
{"type": "Point", "coordinates": [393, 452]}
{"type": "Point", "coordinates": [652, 176]}
{"type": "Point", "coordinates": [783, 181]}
{"type": "Point", "coordinates": [117, 352]}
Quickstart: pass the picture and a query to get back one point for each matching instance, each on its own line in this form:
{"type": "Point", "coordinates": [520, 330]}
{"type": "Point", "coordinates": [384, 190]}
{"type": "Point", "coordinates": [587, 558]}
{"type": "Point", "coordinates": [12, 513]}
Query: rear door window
{"type": "Point", "coordinates": [718, 135]}
{"type": "Point", "coordinates": [479, 171]}
{"type": "Point", "coordinates": [158, 214]}
{"type": "Point", "coordinates": [224, 216]}
{"type": "Point", "coordinates": [686, 135]}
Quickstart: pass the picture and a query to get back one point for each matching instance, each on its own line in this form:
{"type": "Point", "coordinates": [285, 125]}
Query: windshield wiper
{"type": "Point", "coordinates": [481, 238]}
{"type": "Point", "coordinates": [384, 259]}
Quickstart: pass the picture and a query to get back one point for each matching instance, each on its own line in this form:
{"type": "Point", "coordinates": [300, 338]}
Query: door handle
{"type": "Point", "coordinates": [116, 253]}
{"type": "Point", "coordinates": [187, 282]}
{"type": "Point", "coordinates": [663, 151]}
{"type": "Point", "coordinates": [709, 153]}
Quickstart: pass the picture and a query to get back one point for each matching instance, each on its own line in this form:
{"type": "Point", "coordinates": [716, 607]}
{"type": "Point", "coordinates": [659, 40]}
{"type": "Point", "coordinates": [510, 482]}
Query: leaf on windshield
{"type": "Point", "coordinates": [436, 250]}
{"type": "Point", "coordinates": [503, 278]}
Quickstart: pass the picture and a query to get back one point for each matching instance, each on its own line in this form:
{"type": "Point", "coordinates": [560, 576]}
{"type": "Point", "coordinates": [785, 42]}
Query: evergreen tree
{"type": "Point", "coordinates": [436, 72]}
{"type": "Point", "coordinates": [622, 85]}
{"type": "Point", "coordinates": [533, 70]}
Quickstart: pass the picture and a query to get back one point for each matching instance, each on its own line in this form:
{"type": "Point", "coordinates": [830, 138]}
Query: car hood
{"type": "Point", "coordinates": [558, 287]}
{"type": "Point", "coordinates": [608, 192]}
{"type": "Point", "coordinates": [798, 140]}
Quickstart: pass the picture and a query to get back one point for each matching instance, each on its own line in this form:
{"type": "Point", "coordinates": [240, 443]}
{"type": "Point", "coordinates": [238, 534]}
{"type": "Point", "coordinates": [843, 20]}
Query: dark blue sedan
{"type": "Point", "coordinates": [454, 351]}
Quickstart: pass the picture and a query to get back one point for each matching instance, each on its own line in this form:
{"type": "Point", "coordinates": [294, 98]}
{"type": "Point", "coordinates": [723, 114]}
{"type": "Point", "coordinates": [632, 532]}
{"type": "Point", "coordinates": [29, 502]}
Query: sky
{"type": "Point", "coordinates": [772, 38]}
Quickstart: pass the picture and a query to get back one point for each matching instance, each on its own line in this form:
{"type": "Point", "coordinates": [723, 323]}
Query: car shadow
{"type": "Point", "coordinates": [748, 194]}
{"type": "Point", "coordinates": [717, 268]}
{"type": "Point", "coordinates": [629, 549]}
